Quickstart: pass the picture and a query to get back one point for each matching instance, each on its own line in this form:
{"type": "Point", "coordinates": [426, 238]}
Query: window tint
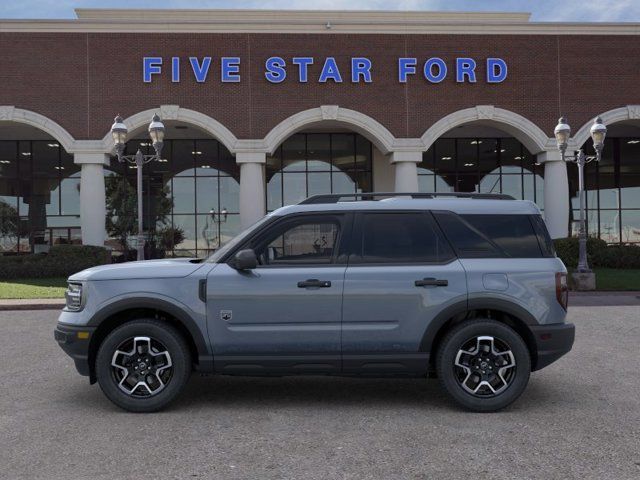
{"type": "Point", "coordinates": [514, 234]}
{"type": "Point", "coordinates": [402, 237]}
{"type": "Point", "coordinates": [468, 241]}
{"type": "Point", "coordinates": [302, 243]}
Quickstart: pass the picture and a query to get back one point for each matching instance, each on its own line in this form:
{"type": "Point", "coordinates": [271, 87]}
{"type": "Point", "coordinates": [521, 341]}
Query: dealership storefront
{"type": "Point", "coordinates": [263, 109]}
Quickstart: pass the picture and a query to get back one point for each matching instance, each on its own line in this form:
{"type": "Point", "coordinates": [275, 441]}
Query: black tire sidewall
{"type": "Point", "coordinates": [180, 358]}
{"type": "Point", "coordinates": [452, 343]}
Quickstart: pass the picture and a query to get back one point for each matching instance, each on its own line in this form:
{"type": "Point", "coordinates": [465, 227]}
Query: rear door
{"type": "Point", "coordinates": [402, 272]}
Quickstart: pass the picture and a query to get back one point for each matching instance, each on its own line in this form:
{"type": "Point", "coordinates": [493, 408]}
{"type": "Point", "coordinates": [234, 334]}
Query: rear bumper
{"type": "Point", "coordinates": [552, 342]}
{"type": "Point", "coordinates": [74, 340]}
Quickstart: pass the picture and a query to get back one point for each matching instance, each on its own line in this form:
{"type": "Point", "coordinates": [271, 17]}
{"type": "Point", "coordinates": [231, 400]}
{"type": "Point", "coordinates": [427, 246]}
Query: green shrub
{"type": "Point", "coordinates": [61, 261]}
{"type": "Point", "coordinates": [599, 254]}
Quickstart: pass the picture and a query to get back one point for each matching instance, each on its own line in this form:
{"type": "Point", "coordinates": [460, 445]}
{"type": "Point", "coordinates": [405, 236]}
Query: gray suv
{"type": "Point", "coordinates": [465, 287]}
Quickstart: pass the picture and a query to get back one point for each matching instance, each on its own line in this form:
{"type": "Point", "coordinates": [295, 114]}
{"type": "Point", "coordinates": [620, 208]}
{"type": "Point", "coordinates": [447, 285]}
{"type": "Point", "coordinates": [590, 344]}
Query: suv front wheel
{"type": "Point", "coordinates": [143, 365]}
{"type": "Point", "coordinates": [483, 364]}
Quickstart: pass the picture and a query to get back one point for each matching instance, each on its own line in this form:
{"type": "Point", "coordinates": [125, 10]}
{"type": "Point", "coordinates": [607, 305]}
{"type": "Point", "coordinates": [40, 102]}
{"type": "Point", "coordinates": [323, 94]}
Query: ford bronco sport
{"type": "Point", "coordinates": [465, 287]}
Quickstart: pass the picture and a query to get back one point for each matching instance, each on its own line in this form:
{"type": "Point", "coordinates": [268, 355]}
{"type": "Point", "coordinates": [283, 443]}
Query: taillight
{"type": "Point", "coordinates": [562, 289]}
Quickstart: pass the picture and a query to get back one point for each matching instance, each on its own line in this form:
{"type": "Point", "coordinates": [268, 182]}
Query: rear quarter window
{"type": "Point", "coordinates": [492, 236]}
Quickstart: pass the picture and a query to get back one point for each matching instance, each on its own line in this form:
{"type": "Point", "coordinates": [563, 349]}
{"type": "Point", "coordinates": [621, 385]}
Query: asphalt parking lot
{"type": "Point", "coordinates": [579, 418]}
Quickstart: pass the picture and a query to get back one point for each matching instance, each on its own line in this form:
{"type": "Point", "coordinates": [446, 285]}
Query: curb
{"type": "Point", "coordinates": [40, 304]}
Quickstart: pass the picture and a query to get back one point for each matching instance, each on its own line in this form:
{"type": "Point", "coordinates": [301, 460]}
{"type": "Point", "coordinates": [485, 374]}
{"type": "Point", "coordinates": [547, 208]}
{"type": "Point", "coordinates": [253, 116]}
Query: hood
{"type": "Point", "coordinates": [166, 268]}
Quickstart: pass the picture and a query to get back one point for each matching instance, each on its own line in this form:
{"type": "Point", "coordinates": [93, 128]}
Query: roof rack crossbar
{"type": "Point", "coordinates": [364, 196]}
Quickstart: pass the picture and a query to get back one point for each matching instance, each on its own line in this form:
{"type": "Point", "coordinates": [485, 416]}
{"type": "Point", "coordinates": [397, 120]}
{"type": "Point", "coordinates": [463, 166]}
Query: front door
{"type": "Point", "coordinates": [401, 275]}
{"type": "Point", "coordinates": [285, 314]}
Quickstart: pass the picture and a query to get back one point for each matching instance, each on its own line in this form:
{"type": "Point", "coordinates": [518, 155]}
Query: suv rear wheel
{"type": "Point", "coordinates": [483, 364]}
{"type": "Point", "coordinates": [143, 365]}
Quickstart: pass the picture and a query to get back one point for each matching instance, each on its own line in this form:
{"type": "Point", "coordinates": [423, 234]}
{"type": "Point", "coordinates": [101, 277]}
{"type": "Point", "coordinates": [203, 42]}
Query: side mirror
{"type": "Point", "coordinates": [245, 260]}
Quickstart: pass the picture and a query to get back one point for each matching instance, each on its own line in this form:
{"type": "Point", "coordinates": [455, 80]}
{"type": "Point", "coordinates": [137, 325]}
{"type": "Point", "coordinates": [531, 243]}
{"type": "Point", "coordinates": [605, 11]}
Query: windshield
{"type": "Point", "coordinates": [235, 241]}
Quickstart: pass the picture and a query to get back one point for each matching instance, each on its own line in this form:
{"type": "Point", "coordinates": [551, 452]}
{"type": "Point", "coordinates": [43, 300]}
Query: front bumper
{"type": "Point", "coordinates": [75, 340]}
{"type": "Point", "coordinates": [552, 342]}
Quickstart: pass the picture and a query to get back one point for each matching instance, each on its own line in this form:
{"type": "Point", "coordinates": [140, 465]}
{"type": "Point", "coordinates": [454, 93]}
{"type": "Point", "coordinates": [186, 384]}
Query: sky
{"type": "Point", "coordinates": [542, 10]}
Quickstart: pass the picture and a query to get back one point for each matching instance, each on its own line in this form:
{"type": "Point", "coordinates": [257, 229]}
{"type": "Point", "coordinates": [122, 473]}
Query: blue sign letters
{"type": "Point", "coordinates": [434, 70]}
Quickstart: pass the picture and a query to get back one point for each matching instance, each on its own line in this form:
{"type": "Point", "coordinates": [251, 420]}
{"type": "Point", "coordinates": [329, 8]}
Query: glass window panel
{"type": "Point", "coordinates": [363, 153]}
{"type": "Point", "coordinates": [630, 191]}
{"type": "Point", "coordinates": [608, 192]}
{"type": "Point", "coordinates": [206, 156]}
{"type": "Point", "coordinates": [8, 159]}
{"type": "Point", "coordinates": [182, 161]}
{"type": "Point", "coordinates": [610, 226]}
{"type": "Point", "coordinates": [230, 228]}
{"type": "Point", "coordinates": [75, 235]}
{"type": "Point", "coordinates": [629, 156]}
{"type": "Point", "coordinates": [274, 192]}
{"type": "Point", "coordinates": [343, 152]}
{"type": "Point", "coordinates": [445, 183]}
{"type": "Point", "coordinates": [631, 226]}
{"type": "Point", "coordinates": [294, 188]}
{"type": "Point", "coordinates": [445, 156]}
{"type": "Point", "coordinates": [407, 237]}
{"type": "Point", "coordinates": [343, 183]}
{"type": "Point", "coordinates": [364, 182]}
{"type": "Point", "coordinates": [490, 183]}
{"type": "Point", "coordinates": [319, 183]}
{"type": "Point", "coordinates": [426, 183]}
{"type": "Point", "coordinates": [70, 194]}
{"type": "Point", "coordinates": [229, 194]}
{"type": "Point", "coordinates": [512, 157]}
{"type": "Point", "coordinates": [512, 233]}
{"type": "Point", "coordinates": [273, 164]}
{"type": "Point", "coordinates": [592, 222]}
{"type": "Point", "coordinates": [60, 236]}
{"type": "Point", "coordinates": [67, 167]}
{"type": "Point", "coordinates": [529, 191]}
{"type": "Point", "coordinates": [46, 161]}
{"type": "Point", "coordinates": [318, 152]}
{"type": "Point", "coordinates": [228, 164]}
{"type": "Point", "coordinates": [488, 159]}
{"type": "Point", "coordinates": [24, 159]}
{"type": "Point", "coordinates": [293, 153]}
{"type": "Point", "coordinates": [467, 151]}
{"type": "Point", "coordinates": [208, 233]}
{"type": "Point", "coordinates": [512, 185]}
{"type": "Point", "coordinates": [308, 243]}
{"type": "Point", "coordinates": [207, 194]}
{"type": "Point", "coordinates": [183, 195]}
{"type": "Point", "coordinates": [467, 183]}
{"type": "Point", "coordinates": [187, 223]}
{"type": "Point", "coordinates": [427, 159]}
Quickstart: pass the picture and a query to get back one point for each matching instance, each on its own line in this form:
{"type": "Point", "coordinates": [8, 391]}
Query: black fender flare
{"type": "Point", "coordinates": [465, 306]}
{"type": "Point", "coordinates": [176, 311]}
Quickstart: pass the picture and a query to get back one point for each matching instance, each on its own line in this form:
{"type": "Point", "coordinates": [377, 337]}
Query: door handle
{"type": "Point", "coordinates": [314, 283]}
{"type": "Point", "coordinates": [431, 282]}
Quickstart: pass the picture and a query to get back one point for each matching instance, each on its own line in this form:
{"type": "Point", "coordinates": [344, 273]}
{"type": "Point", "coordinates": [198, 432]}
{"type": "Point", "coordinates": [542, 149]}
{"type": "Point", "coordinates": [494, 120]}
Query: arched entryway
{"type": "Point", "coordinates": [612, 185]}
{"type": "Point", "coordinates": [190, 196]}
{"type": "Point", "coordinates": [39, 184]}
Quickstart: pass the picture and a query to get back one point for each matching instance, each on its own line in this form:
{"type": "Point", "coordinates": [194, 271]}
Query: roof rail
{"type": "Point", "coordinates": [364, 196]}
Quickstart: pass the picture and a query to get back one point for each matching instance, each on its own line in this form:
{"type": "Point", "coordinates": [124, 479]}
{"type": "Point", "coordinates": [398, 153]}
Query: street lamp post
{"type": "Point", "coordinates": [156, 133]}
{"type": "Point", "coordinates": [562, 133]}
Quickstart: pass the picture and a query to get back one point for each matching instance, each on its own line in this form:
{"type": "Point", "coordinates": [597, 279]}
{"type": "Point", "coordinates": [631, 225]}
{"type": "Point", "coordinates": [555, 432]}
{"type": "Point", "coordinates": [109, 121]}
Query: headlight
{"type": "Point", "coordinates": [73, 296]}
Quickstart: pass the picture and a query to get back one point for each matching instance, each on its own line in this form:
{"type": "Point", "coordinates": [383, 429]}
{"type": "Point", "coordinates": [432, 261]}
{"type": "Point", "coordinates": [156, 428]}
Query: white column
{"type": "Point", "coordinates": [252, 193]}
{"type": "Point", "coordinates": [556, 194]}
{"type": "Point", "coordinates": [92, 197]}
{"type": "Point", "coordinates": [406, 166]}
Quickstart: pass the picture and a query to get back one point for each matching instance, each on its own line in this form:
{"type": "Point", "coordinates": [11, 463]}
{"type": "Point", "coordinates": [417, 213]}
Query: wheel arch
{"type": "Point", "coordinates": [506, 312]}
{"type": "Point", "coordinates": [126, 310]}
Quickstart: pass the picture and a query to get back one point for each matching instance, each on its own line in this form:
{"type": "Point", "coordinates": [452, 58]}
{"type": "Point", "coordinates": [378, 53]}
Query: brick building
{"type": "Point", "coordinates": [264, 108]}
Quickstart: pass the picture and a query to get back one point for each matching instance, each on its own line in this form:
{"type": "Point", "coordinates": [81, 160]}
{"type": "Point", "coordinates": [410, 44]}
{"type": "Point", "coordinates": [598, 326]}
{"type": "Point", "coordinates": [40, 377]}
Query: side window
{"type": "Point", "coordinates": [512, 233]}
{"type": "Point", "coordinates": [402, 238]}
{"type": "Point", "coordinates": [311, 242]}
{"type": "Point", "coordinates": [467, 240]}
{"type": "Point", "coordinates": [546, 244]}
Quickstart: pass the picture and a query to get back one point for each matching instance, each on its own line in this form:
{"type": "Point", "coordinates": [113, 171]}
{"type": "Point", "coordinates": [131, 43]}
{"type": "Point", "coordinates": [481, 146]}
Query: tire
{"type": "Point", "coordinates": [473, 375]}
{"type": "Point", "coordinates": [143, 365]}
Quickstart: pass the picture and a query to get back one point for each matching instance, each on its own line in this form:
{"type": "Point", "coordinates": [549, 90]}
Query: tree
{"type": "Point", "coordinates": [9, 225]}
{"type": "Point", "coordinates": [122, 209]}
